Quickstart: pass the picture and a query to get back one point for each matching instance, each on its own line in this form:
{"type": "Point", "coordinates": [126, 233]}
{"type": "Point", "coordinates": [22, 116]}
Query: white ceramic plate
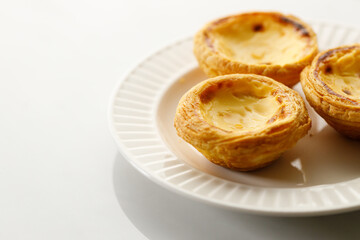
{"type": "Point", "coordinates": [320, 175]}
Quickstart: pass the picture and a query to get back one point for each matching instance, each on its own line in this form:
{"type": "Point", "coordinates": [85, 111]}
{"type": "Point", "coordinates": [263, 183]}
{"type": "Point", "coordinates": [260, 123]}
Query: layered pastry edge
{"type": "Point", "coordinates": [332, 87]}
{"type": "Point", "coordinates": [214, 62]}
{"type": "Point", "coordinates": [247, 148]}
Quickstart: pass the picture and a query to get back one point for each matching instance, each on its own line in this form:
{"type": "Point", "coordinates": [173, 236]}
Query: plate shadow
{"type": "Point", "coordinates": [161, 214]}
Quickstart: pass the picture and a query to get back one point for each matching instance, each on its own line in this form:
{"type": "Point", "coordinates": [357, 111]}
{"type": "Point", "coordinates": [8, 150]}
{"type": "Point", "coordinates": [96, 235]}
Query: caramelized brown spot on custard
{"type": "Point", "coordinates": [329, 53]}
{"type": "Point", "coordinates": [321, 59]}
{"type": "Point", "coordinates": [300, 28]}
{"type": "Point", "coordinates": [208, 94]}
{"type": "Point", "coordinates": [325, 55]}
{"type": "Point", "coordinates": [229, 84]}
{"type": "Point", "coordinates": [258, 27]}
{"type": "Point", "coordinates": [328, 69]}
{"type": "Point", "coordinates": [329, 90]}
{"type": "Point", "coordinates": [347, 91]}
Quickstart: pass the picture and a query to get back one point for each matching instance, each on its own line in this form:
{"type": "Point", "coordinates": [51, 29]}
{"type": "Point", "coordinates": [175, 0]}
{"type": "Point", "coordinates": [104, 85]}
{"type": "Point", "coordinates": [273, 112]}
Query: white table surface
{"type": "Point", "coordinates": [61, 175]}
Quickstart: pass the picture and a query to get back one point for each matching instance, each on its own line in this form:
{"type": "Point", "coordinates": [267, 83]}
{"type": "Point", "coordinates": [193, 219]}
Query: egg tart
{"type": "Point", "coordinates": [266, 43]}
{"type": "Point", "coordinates": [332, 87]}
{"type": "Point", "coordinates": [241, 121]}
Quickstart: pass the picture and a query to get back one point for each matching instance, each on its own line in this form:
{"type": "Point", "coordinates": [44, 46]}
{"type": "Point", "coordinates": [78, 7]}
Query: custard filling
{"type": "Point", "coordinates": [341, 72]}
{"type": "Point", "coordinates": [267, 42]}
{"type": "Point", "coordinates": [231, 111]}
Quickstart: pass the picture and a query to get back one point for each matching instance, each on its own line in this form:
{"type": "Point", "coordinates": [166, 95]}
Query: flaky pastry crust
{"type": "Point", "coordinates": [241, 121]}
{"type": "Point", "coordinates": [332, 87]}
{"type": "Point", "coordinates": [266, 43]}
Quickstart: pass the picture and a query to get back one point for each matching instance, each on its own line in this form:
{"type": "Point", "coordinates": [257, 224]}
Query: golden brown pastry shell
{"type": "Point", "coordinates": [339, 109]}
{"type": "Point", "coordinates": [214, 63]}
{"type": "Point", "coordinates": [242, 150]}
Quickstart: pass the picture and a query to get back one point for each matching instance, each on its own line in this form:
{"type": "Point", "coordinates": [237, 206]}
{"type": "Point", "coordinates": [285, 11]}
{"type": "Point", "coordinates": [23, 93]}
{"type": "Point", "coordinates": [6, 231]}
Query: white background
{"type": "Point", "coordinates": [61, 176]}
